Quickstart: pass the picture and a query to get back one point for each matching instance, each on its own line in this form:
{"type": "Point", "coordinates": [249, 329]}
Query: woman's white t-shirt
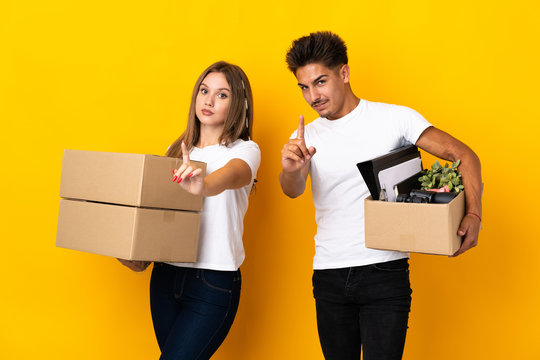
{"type": "Point", "coordinates": [222, 221]}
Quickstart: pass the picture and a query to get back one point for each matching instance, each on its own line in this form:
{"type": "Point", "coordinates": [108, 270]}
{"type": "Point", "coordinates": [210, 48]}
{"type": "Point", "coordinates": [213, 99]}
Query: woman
{"type": "Point", "coordinates": [194, 304]}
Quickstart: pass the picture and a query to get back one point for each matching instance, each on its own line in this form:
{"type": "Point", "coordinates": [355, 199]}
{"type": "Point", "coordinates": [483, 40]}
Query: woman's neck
{"type": "Point", "coordinates": [209, 136]}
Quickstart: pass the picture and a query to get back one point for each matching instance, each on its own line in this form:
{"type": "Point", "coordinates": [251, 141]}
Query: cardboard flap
{"type": "Point", "coordinates": [101, 176]}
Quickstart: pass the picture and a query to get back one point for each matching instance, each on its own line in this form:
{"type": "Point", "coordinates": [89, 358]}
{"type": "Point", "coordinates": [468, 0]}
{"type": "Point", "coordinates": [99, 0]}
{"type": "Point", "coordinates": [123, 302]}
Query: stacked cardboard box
{"type": "Point", "coordinates": [126, 206]}
{"type": "Point", "coordinates": [422, 228]}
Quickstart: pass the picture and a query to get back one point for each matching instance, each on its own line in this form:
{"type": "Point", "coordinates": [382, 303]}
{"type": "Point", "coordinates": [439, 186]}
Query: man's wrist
{"type": "Point", "coordinates": [291, 174]}
{"type": "Point", "coordinates": [472, 213]}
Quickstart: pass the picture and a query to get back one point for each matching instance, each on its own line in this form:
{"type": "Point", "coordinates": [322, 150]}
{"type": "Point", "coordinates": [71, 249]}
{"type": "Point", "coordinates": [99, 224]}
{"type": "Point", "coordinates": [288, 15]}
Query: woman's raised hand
{"type": "Point", "coordinates": [188, 175]}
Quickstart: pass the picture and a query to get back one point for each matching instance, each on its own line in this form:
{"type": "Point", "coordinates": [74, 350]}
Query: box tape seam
{"type": "Point", "coordinates": [134, 231]}
{"type": "Point", "coordinates": [141, 181]}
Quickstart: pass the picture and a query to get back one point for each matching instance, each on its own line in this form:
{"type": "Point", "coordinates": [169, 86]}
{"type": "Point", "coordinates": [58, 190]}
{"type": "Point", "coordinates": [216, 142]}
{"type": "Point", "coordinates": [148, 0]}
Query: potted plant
{"type": "Point", "coordinates": [442, 179]}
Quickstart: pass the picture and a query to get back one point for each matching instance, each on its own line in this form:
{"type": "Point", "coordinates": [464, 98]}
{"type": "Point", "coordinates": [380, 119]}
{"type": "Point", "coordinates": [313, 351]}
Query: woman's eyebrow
{"type": "Point", "coordinates": [226, 89]}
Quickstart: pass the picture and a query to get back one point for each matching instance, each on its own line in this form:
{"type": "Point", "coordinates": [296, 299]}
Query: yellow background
{"type": "Point", "coordinates": [117, 76]}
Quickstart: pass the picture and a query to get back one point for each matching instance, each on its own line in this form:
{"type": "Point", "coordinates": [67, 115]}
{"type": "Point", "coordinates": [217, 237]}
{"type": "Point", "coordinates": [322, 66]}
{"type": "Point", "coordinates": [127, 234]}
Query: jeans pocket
{"type": "Point", "coordinates": [401, 265]}
{"type": "Point", "coordinates": [219, 280]}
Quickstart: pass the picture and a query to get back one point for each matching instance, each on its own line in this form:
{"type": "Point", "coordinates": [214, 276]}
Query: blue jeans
{"type": "Point", "coordinates": [363, 308]}
{"type": "Point", "coordinates": [192, 309]}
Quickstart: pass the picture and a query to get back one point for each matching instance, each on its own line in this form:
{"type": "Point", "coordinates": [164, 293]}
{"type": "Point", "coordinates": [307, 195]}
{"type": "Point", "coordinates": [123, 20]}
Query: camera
{"type": "Point", "coordinates": [425, 197]}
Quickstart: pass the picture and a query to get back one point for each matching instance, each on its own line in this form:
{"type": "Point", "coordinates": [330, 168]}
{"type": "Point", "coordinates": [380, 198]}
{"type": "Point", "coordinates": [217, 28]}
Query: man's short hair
{"type": "Point", "coordinates": [319, 47]}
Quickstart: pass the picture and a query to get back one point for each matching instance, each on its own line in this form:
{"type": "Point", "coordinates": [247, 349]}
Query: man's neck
{"type": "Point", "coordinates": [350, 103]}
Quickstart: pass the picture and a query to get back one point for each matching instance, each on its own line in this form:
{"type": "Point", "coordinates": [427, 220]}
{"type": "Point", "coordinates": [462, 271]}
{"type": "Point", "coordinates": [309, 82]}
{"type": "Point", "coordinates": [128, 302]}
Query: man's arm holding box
{"type": "Point", "coordinates": [444, 146]}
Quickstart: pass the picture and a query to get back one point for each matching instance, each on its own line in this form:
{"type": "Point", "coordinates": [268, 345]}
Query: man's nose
{"type": "Point", "coordinates": [314, 94]}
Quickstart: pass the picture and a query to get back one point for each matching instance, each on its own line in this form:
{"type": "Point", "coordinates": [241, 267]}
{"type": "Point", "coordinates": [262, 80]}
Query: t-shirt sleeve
{"type": "Point", "coordinates": [293, 135]}
{"type": "Point", "coordinates": [249, 152]}
{"type": "Point", "coordinates": [412, 124]}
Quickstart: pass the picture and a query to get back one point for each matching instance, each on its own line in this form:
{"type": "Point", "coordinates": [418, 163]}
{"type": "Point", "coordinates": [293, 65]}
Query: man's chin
{"type": "Point", "coordinates": [323, 113]}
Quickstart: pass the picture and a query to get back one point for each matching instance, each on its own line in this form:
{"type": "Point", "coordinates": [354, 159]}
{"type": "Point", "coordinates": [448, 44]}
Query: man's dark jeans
{"type": "Point", "coordinates": [363, 307]}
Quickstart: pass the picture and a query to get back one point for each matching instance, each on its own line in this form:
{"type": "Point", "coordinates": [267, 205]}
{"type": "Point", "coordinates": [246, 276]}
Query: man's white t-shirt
{"type": "Point", "coordinates": [370, 130]}
{"type": "Point", "coordinates": [222, 221]}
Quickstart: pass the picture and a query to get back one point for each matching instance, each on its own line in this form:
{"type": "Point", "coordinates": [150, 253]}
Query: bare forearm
{"type": "Point", "coordinates": [472, 180]}
{"type": "Point", "coordinates": [293, 184]}
{"type": "Point", "coordinates": [214, 185]}
{"type": "Point", "coordinates": [446, 147]}
{"type": "Point", "coordinates": [234, 175]}
{"type": "Point", "coordinates": [471, 174]}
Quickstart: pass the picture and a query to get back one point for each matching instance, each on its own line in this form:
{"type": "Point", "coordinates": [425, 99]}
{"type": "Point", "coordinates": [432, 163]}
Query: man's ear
{"type": "Point", "coordinates": [344, 72]}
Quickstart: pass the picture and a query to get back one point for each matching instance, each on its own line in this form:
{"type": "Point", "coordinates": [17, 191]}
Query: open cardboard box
{"type": "Point", "coordinates": [126, 206]}
{"type": "Point", "coordinates": [408, 227]}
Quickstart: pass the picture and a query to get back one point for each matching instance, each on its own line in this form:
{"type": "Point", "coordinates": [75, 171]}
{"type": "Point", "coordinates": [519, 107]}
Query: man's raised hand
{"type": "Point", "coordinates": [295, 154]}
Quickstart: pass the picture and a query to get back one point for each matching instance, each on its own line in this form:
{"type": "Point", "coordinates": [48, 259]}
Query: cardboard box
{"type": "Point", "coordinates": [127, 179]}
{"type": "Point", "coordinates": [422, 228]}
{"type": "Point", "coordinates": [127, 232]}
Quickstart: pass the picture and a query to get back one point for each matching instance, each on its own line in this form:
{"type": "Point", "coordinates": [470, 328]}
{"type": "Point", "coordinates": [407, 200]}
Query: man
{"type": "Point", "coordinates": [362, 295]}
